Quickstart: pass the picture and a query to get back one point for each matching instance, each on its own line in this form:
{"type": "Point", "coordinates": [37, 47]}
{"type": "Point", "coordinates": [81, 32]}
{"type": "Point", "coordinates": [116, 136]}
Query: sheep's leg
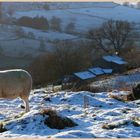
{"type": "Point", "coordinates": [26, 102]}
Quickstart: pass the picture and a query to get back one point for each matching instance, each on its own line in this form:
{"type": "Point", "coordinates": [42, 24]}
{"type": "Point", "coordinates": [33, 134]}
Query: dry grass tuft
{"type": "Point", "coordinates": [55, 121]}
{"type": "Point", "coordinates": [2, 128]}
{"type": "Point", "coordinates": [48, 112]}
{"type": "Point", "coordinates": [123, 97]}
{"type": "Point", "coordinates": [114, 125]}
{"type": "Point", "coordinates": [120, 124]}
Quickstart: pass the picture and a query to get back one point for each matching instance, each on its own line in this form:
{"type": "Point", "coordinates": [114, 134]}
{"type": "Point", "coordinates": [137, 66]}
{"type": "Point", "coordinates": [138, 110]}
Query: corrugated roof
{"type": "Point", "coordinates": [114, 58]}
{"type": "Point", "coordinates": [85, 75]}
{"type": "Point", "coordinates": [96, 70]}
{"type": "Point", "coordinates": [107, 71]}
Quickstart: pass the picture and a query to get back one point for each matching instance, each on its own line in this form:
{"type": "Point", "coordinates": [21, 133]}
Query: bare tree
{"type": "Point", "coordinates": [42, 45]}
{"type": "Point", "coordinates": [55, 23]}
{"type": "Point", "coordinates": [70, 28]}
{"type": "Point", "coordinates": [112, 35]}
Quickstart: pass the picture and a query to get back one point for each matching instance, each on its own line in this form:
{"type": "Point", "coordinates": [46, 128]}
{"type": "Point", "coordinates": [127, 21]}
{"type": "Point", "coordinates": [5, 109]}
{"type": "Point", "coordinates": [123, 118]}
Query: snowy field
{"type": "Point", "coordinates": [20, 6]}
{"type": "Point", "coordinates": [12, 45]}
{"type": "Point", "coordinates": [13, 48]}
{"type": "Point", "coordinates": [92, 16]}
{"type": "Point", "coordinates": [118, 81]}
{"type": "Point", "coordinates": [104, 117]}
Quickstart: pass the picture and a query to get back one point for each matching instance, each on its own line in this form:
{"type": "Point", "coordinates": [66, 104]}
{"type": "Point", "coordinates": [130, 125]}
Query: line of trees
{"type": "Point", "coordinates": [35, 22]}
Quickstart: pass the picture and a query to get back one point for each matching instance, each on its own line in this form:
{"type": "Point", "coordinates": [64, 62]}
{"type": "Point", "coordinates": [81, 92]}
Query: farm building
{"type": "Point", "coordinates": [100, 71]}
{"type": "Point", "coordinates": [83, 79]}
{"type": "Point", "coordinates": [114, 62]}
{"type": "Point", "coordinates": [109, 64]}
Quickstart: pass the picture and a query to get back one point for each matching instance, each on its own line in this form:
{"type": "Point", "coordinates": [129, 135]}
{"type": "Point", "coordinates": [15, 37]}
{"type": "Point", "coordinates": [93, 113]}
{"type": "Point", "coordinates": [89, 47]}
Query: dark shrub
{"type": "Point", "coordinates": [55, 121]}
{"type": "Point", "coordinates": [36, 22]}
{"type": "Point", "coordinates": [64, 60]}
{"type": "Point", "coordinates": [136, 91]}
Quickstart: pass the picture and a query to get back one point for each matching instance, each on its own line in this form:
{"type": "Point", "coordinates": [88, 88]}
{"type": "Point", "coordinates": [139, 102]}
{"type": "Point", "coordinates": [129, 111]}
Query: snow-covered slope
{"type": "Point", "coordinates": [19, 46]}
{"type": "Point", "coordinates": [101, 110]}
{"type": "Point", "coordinates": [20, 6]}
{"type": "Point", "coordinates": [86, 17]}
{"type": "Point", "coordinates": [118, 81]}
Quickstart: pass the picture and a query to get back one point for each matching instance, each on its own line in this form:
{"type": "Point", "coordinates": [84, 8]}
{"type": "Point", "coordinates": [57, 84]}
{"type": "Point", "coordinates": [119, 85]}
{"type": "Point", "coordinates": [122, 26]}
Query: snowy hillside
{"type": "Point", "coordinates": [20, 6]}
{"type": "Point", "coordinates": [102, 117]}
{"type": "Point", "coordinates": [75, 21]}
{"type": "Point", "coordinates": [92, 16]}
{"type": "Point", "coordinates": [118, 81]}
{"type": "Point", "coordinates": [20, 46]}
{"type": "Point", "coordinates": [101, 110]}
{"type": "Point", "coordinates": [27, 43]}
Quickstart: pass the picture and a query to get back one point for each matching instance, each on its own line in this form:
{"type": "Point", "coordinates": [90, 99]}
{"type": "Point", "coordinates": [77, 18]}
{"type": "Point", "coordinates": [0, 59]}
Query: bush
{"type": "Point", "coordinates": [55, 23]}
{"type": "Point", "coordinates": [64, 60]}
{"type": "Point", "coordinates": [31, 35]}
{"type": "Point", "coordinates": [132, 56]}
{"type": "Point", "coordinates": [20, 32]}
{"type": "Point", "coordinates": [46, 7]}
{"type": "Point", "coordinates": [42, 45]}
{"type": "Point", "coordinates": [136, 91]}
{"type": "Point", "coordinates": [2, 128]}
{"type": "Point", "coordinates": [70, 28]}
{"type": "Point", "coordinates": [55, 121]}
{"type": "Point", "coordinates": [36, 22]}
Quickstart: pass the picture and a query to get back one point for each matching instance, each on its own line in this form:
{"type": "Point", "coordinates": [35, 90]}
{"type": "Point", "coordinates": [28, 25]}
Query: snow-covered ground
{"type": "Point", "coordinates": [92, 120]}
{"type": "Point", "coordinates": [15, 45]}
{"type": "Point", "coordinates": [86, 17]}
{"type": "Point", "coordinates": [23, 6]}
{"type": "Point", "coordinates": [118, 81]}
{"type": "Point", "coordinates": [27, 44]}
{"type": "Point", "coordinates": [48, 35]}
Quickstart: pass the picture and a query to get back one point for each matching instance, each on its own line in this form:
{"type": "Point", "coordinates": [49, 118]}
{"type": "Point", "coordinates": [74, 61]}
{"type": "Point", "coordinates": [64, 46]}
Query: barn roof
{"type": "Point", "coordinates": [96, 70]}
{"type": "Point", "coordinates": [85, 75]}
{"type": "Point", "coordinates": [115, 59]}
{"type": "Point", "coordinates": [99, 71]}
{"type": "Point", "coordinates": [107, 71]}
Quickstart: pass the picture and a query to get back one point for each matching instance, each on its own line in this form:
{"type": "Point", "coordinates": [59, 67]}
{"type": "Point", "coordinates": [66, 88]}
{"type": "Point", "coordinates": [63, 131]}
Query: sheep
{"type": "Point", "coordinates": [16, 83]}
